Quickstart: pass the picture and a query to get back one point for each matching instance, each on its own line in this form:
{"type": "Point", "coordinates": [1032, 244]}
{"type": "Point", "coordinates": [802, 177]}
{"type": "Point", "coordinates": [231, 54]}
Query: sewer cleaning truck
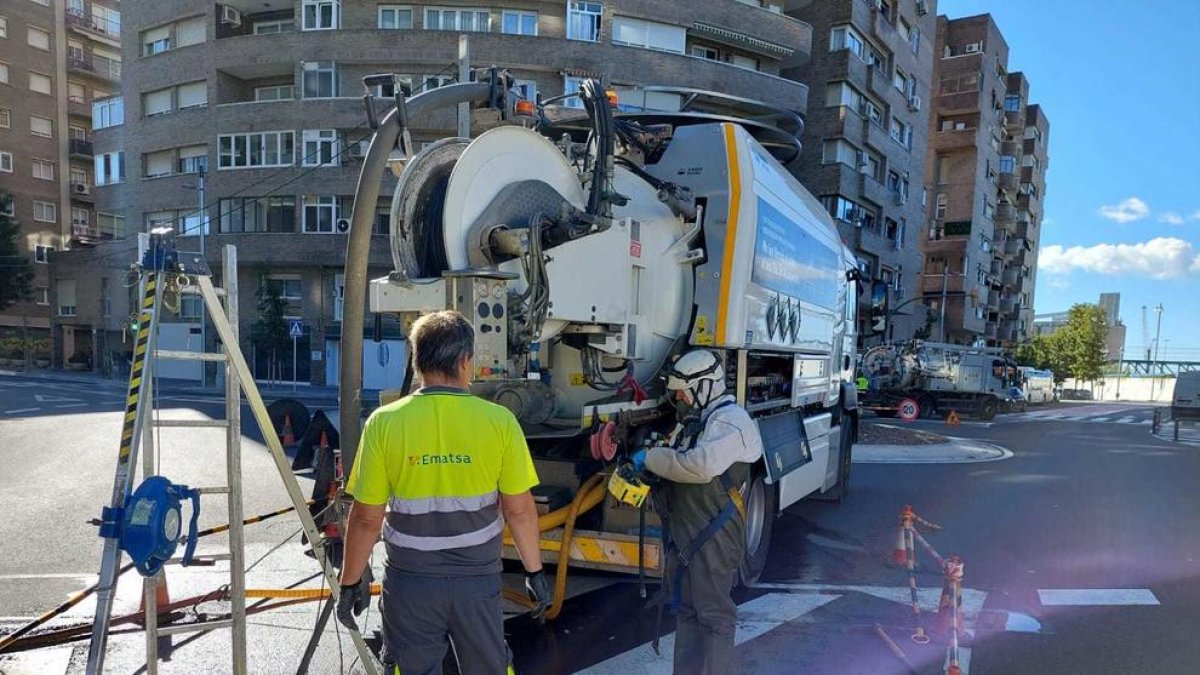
{"type": "Point", "coordinates": [922, 379]}
{"type": "Point", "coordinates": [591, 245]}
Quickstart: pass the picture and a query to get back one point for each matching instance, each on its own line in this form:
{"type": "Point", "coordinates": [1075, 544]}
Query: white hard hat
{"type": "Point", "coordinates": [695, 367]}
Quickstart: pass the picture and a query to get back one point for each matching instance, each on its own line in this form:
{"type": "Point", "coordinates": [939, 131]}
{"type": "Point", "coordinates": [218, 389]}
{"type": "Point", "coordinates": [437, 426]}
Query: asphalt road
{"type": "Point", "coordinates": [1080, 554]}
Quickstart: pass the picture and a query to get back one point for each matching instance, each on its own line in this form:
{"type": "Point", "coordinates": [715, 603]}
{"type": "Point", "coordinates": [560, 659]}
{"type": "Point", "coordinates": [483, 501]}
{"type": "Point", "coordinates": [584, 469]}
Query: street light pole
{"type": "Point", "coordinates": [203, 231]}
{"type": "Point", "coordinates": [1158, 309]}
{"type": "Point", "coordinates": [942, 320]}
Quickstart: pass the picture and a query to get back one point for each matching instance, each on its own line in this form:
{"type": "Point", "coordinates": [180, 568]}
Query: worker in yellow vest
{"type": "Point", "coordinates": [442, 472]}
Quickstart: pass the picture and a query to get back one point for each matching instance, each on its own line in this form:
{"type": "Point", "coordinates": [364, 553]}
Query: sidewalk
{"type": "Point", "coordinates": [307, 394]}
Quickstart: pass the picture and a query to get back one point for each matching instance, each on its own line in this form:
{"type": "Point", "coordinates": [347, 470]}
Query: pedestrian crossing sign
{"type": "Point", "coordinates": [297, 330]}
{"type": "Point", "coordinates": [952, 419]}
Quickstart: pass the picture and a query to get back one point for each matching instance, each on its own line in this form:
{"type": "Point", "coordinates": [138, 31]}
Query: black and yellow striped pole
{"type": "Point", "coordinates": [131, 432]}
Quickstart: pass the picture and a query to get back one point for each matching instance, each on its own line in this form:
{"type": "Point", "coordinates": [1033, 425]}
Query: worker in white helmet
{"type": "Point", "coordinates": [700, 500]}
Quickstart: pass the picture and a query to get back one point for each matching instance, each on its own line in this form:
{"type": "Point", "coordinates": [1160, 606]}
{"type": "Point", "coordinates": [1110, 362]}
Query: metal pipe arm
{"type": "Point", "coordinates": [358, 248]}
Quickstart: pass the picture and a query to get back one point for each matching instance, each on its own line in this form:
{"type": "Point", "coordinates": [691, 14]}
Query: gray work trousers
{"type": "Point", "coordinates": [704, 627]}
{"type": "Point", "coordinates": [422, 616]}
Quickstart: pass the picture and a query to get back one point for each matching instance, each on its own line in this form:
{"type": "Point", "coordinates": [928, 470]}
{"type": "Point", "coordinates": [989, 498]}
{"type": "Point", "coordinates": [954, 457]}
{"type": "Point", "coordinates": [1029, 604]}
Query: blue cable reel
{"type": "Point", "coordinates": [149, 526]}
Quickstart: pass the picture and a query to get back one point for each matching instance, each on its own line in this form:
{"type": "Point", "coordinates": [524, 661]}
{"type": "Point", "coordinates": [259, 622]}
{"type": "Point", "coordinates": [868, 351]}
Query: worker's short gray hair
{"type": "Point", "coordinates": [439, 342]}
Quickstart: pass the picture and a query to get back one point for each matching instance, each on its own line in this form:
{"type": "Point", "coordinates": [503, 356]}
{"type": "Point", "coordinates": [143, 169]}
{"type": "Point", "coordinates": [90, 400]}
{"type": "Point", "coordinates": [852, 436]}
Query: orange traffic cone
{"type": "Point", "coordinates": [162, 595]}
{"type": "Point", "coordinates": [287, 437]}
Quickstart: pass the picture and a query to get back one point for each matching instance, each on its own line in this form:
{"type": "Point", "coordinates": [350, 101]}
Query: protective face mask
{"type": "Point", "coordinates": [683, 411]}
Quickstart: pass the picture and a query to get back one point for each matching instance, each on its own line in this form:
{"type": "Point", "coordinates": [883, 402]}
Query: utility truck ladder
{"type": "Point", "coordinates": [164, 271]}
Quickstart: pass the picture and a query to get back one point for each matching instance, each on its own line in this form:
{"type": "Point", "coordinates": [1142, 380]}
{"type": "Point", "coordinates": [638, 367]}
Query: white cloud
{"type": "Point", "coordinates": [1195, 215]}
{"type": "Point", "coordinates": [1127, 211]}
{"type": "Point", "coordinates": [1171, 218]}
{"type": "Point", "coordinates": [1159, 258]}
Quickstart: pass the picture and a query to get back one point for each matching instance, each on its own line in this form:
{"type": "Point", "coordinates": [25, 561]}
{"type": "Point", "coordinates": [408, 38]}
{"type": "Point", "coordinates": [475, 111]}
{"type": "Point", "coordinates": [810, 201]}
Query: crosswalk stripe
{"type": "Point", "coordinates": [1125, 420]}
{"type": "Point", "coordinates": [1096, 596]}
{"type": "Point", "coordinates": [1097, 419]}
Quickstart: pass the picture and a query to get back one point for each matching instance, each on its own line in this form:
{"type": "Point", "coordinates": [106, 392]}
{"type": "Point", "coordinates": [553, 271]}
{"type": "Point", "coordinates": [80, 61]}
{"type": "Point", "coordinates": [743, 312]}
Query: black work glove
{"type": "Point", "coordinates": [354, 599]}
{"type": "Point", "coordinates": [538, 589]}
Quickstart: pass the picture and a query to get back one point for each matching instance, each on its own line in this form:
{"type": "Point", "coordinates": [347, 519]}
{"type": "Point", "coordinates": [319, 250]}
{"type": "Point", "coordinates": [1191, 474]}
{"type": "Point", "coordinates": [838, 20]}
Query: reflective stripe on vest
{"type": "Point", "coordinates": [443, 523]}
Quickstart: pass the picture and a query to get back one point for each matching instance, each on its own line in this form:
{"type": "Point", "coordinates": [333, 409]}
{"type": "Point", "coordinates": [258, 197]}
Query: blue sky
{"type": "Point", "coordinates": [1120, 85]}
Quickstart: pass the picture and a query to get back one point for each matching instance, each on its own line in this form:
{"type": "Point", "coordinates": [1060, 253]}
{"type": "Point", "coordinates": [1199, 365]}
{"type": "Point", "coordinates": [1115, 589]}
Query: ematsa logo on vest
{"type": "Point", "coordinates": [438, 459]}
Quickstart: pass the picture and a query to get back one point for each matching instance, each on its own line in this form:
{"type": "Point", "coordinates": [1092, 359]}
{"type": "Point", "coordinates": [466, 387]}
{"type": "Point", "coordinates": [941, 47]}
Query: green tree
{"type": "Point", "coordinates": [925, 332]}
{"type": "Point", "coordinates": [16, 272]}
{"type": "Point", "coordinates": [1075, 350]}
{"type": "Point", "coordinates": [271, 327]}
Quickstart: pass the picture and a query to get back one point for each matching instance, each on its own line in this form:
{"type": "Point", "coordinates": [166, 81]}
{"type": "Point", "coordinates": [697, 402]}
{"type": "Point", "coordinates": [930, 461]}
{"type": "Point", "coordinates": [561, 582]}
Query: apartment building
{"type": "Point", "coordinates": [988, 161]}
{"type": "Point", "coordinates": [865, 141]}
{"type": "Point", "coordinates": [56, 59]}
{"type": "Point", "coordinates": [266, 97]}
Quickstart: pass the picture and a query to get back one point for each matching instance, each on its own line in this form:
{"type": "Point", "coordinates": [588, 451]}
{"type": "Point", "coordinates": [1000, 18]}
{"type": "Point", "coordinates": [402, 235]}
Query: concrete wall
{"type": "Point", "coordinates": [1149, 389]}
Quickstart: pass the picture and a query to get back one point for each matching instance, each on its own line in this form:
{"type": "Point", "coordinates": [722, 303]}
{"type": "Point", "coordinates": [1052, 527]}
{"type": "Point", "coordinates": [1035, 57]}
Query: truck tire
{"type": "Point", "coordinates": [988, 408]}
{"type": "Point", "coordinates": [928, 406]}
{"type": "Point", "coordinates": [762, 501]}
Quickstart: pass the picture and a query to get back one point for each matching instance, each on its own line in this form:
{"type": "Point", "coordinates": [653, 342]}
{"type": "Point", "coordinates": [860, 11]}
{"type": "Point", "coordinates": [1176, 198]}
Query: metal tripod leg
{"type": "Point", "coordinates": [238, 362]}
{"type": "Point", "coordinates": [131, 431]}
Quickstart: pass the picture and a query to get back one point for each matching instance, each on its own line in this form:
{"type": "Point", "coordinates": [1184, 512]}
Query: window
{"type": "Point", "coordinates": [939, 209]}
{"type": "Point", "coordinates": [158, 220]}
{"type": "Point", "coordinates": [1012, 103]}
{"type": "Point", "coordinates": [110, 168]}
{"type": "Point", "coordinates": [106, 20]}
{"type": "Point", "coordinates": [45, 212]}
{"type": "Point", "coordinates": [75, 51]}
{"type": "Point", "coordinates": [5, 118]}
{"type": "Point", "coordinates": [985, 245]}
{"type": "Point", "coordinates": [278, 92]}
{"type": "Point", "coordinates": [583, 20]}
{"type": "Point", "coordinates": [3, 27]}
{"type": "Point", "coordinates": [257, 214]}
{"type": "Point", "coordinates": [78, 177]}
{"type": "Point", "coordinates": [76, 93]}
{"type": "Point", "coordinates": [193, 158]}
{"type": "Point", "coordinates": [320, 147]}
{"type": "Point", "coordinates": [289, 287]}
{"type": "Point", "coordinates": [321, 14]}
{"type": "Point", "coordinates": [156, 40]}
{"type": "Point", "coordinates": [466, 19]}
{"type": "Point", "coordinates": [66, 297]}
{"type": "Point", "coordinates": [40, 126]}
{"type": "Point", "coordinates": [257, 150]}
{"type": "Point", "coordinates": [109, 112]}
{"type": "Point", "coordinates": [874, 165]}
{"type": "Point", "coordinates": [519, 23]}
{"type": "Point", "coordinates": [707, 53]}
{"type": "Point", "coordinates": [845, 37]}
{"type": "Point", "coordinates": [40, 83]}
{"type": "Point", "coordinates": [571, 85]}
{"type": "Point", "coordinates": [435, 81]}
{"type": "Point", "coordinates": [1008, 163]}
{"type": "Point", "coordinates": [81, 218]}
{"type": "Point", "coordinates": [320, 213]}
{"type": "Point", "coordinates": [388, 90]}
{"type": "Point", "coordinates": [841, 151]}
{"type": "Point", "coordinates": [37, 38]}
{"type": "Point", "coordinates": [7, 207]}
{"type": "Point", "coordinates": [192, 95]}
{"type": "Point", "coordinates": [901, 132]}
{"type": "Point", "coordinates": [43, 169]}
{"type": "Point", "coordinates": [395, 17]}
{"type": "Point", "coordinates": [3, 72]}
{"type": "Point", "coordinates": [42, 295]}
{"type": "Point", "coordinates": [339, 295]}
{"type": "Point", "coordinates": [6, 162]}
{"type": "Point", "coordinates": [191, 31]}
{"type": "Point", "coordinates": [320, 79]}
{"type": "Point", "coordinates": [743, 62]}
{"type": "Point", "coordinates": [111, 224]}
{"type": "Point", "coordinates": [275, 27]}
{"type": "Point", "coordinates": [157, 164]}
{"type": "Point", "coordinates": [914, 39]}
{"type": "Point", "coordinates": [157, 102]}
{"type": "Point", "coordinates": [648, 34]}
{"type": "Point", "coordinates": [989, 210]}
{"type": "Point", "coordinates": [900, 81]}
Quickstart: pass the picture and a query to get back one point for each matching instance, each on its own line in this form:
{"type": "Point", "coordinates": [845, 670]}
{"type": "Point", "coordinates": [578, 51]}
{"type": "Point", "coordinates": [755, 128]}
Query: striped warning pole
{"type": "Point", "coordinates": [954, 575]}
{"type": "Point", "coordinates": [126, 456]}
{"type": "Point", "coordinates": [918, 637]}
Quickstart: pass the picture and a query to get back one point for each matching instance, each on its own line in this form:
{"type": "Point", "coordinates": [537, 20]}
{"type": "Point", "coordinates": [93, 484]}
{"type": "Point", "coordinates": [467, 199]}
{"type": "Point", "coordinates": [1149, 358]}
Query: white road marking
{"type": "Point", "coordinates": [1125, 420]}
{"type": "Point", "coordinates": [87, 575]}
{"type": "Point", "coordinates": [71, 405]}
{"type": "Point", "coordinates": [927, 598]}
{"type": "Point", "coordinates": [21, 410]}
{"type": "Point", "coordinates": [1097, 419]}
{"type": "Point", "coordinates": [1058, 597]}
{"type": "Point", "coordinates": [755, 618]}
{"type": "Point", "coordinates": [46, 398]}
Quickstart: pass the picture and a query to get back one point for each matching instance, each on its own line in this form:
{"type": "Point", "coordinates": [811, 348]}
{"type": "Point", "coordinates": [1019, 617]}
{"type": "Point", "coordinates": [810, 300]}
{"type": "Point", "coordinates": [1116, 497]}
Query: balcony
{"type": "Point", "coordinates": [94, 25]}
{"type": "Point", "coordinates": [79, 147]}
{"type": "Point", "coordinates": [991, 330]}
{"type": "Point", "coordinates": [86, 233]}
{"type": "Point", "coordinates": [1008, 182]}
{"type": "Point", "coordinates": [1014, 119]}
{"type": "Point", "coordinates": [96, 66]}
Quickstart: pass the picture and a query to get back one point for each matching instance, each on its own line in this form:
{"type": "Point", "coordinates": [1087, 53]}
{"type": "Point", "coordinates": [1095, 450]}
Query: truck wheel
{"type": "Point", "coordinates": [987, 408]}
{"type": "Point", "coordinates": [928, 406]}
{"type": "Point", "coordinates": [762, 501]}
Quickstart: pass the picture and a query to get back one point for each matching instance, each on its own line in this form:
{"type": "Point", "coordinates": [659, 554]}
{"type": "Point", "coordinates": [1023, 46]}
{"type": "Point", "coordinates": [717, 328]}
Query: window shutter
{"type": "Point", "coordinates": [193, 151]}
{"type": "Point", "coordinates": [156, 34]}
{"type": "Point", "coordinates": [193, 94]}
{"type": "Point", "coordinates": [190, 31]}
{"type": "Point", "coordinates": [159, 163]}
{"type": "Point", "coordinates": [156, 102]}
{"type": "Point", "coordinates": [66, 293]}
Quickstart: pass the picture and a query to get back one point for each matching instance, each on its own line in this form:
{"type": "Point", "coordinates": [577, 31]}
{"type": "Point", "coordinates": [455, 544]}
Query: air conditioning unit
{"type": "Point", "coordinates": [342, 225]}
{"type": "Point", "coordinates": [922, 7]}
{"type": "Point", "coordinates": [81, 188]}
{"type": "Point", "coordinates": [230, 16]}
{"type": "Point", "coordinates": [914, 103]}
{"type": "Point", "coordinates": [974, 47]}
{"type": "Point", "coordinates": [357, 150]}
{"type": "Point", "coordinates": [865, 169]}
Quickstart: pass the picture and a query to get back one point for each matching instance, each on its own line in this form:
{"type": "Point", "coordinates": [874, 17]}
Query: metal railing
{"type": "Point", "coordinates": [79, 146]}
{"type": "Point", "coordinates": [93, 24]}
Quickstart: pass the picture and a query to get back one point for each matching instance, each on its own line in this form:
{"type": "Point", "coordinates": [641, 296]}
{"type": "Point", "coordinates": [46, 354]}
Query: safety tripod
{"type": "Point", "coordinates": [162, 269]}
